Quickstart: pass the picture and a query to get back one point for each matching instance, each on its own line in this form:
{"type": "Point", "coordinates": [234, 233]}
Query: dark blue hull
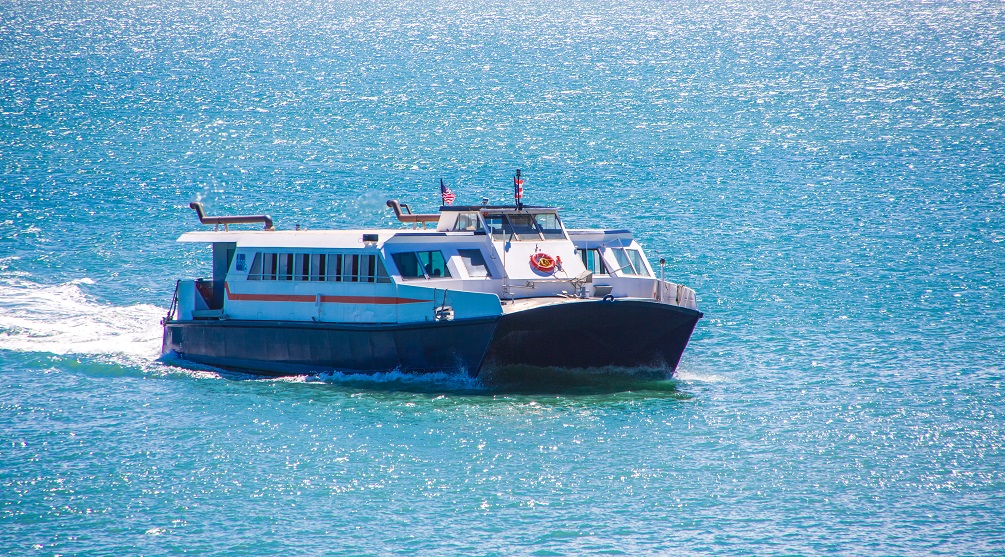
{"type": "Point", "coordinates": [285, 347]}
{"type": "Point", "coordinates": [594, 335]}
{"type": "Point", "coordinates": [588, 335]}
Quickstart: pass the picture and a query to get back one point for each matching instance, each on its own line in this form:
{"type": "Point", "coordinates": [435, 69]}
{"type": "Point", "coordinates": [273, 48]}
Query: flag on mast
{"type": "Point", "coordinates": [446, 195]}
{"type": "Point", "coordinates": [518, 189]}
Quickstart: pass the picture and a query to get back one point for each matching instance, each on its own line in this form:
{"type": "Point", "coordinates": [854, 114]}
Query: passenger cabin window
{"type": "Point", "coordinates": [421, 264]}
{"type": "Point", "coordinates": [525, 226]}
{"type": "Point", "coordinates": [630, 262]}
{"type": "Point", "coordinates": [592, 261]}
{"type": "Point", "coordinates": [474, 263]}
{"type": "Point", "coordinates": [468, 222]}
{"type": "Point", "coordinates": [319, 267]}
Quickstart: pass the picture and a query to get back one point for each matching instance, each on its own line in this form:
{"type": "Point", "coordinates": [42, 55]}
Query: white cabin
{"type": "Point", "coordinates": [476, 263]}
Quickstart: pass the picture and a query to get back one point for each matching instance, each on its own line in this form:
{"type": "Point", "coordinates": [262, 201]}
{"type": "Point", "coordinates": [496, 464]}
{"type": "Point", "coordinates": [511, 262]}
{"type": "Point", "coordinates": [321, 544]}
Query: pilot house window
{"type": "Point", "coordinates": [525, 226]}
{"type": "Point", "coordinates": [467, 221]}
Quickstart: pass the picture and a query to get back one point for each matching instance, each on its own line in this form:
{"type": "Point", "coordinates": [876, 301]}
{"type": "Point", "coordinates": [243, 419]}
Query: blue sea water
{"type": "Point", "coordinates": [828, 175]}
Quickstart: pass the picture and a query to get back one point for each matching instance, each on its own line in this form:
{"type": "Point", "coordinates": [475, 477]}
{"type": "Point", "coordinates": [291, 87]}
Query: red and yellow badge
{"type": "Point", "coordinates": [543, 262]}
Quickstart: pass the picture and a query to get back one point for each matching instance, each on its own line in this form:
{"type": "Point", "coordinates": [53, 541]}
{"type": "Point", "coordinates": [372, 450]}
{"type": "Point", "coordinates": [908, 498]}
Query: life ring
{"type": "Point", "coordinates": [543, 262]}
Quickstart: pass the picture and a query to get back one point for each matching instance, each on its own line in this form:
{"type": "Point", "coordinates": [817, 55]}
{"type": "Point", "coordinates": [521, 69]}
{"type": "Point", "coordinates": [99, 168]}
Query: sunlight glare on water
{"type": "Point", "coordinates": [828, 176]}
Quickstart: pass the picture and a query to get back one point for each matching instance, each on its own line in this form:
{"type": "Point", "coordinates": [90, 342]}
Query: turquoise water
{"type": "Point", "coordinates": [828, 175]}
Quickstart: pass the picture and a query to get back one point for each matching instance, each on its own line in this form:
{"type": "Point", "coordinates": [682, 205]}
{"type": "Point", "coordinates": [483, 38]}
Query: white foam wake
{"type": "Point", "coordinates": [700, 377]}
{"type": "Point", "coordinates": [61, 319]}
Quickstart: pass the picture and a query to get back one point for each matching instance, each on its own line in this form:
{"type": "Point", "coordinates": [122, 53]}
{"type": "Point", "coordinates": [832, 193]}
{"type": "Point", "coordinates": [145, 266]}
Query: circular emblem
{"type": "Point", "coordinates": [543, 262]}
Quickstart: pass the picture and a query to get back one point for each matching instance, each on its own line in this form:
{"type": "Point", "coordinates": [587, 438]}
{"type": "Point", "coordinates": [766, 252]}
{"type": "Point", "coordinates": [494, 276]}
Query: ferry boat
{"type": "Point", "coordinates": [475, 288]}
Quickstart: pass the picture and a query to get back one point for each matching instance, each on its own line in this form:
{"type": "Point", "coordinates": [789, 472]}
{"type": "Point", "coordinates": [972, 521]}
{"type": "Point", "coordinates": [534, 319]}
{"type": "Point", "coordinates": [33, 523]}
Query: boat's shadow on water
{"type": "Point", "coordinates": [538, 381]}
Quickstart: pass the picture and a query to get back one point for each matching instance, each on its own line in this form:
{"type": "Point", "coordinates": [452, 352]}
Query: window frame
{"type": "Point", "coordinates": [424, 267]}
{"type": "Point", "coordinates": [598, 257]}
{"type": "Point", "coordinates": [319, 266]}
{"type": "Point", "coordinates": [640, 264]}
{"type": "Point", "coordinates": [468, 268]}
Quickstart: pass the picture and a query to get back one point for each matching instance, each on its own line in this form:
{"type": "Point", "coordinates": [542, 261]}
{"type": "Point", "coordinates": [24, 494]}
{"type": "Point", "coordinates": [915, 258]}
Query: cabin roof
{"type": "Point", "coordinates": [343, 239]}
{"type": "Point", "coordinates": [498, 208]}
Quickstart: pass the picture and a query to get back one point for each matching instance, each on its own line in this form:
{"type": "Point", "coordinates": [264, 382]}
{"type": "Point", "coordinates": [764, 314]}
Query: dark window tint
{"type": "Point", "coordinates": [592, 261]}
{"type": "Point", "coordinates": [474, 262]}
{"type": "Point", "coordinates": [408, 265]}
{"type": "Point", "coordinates": [421, 264]}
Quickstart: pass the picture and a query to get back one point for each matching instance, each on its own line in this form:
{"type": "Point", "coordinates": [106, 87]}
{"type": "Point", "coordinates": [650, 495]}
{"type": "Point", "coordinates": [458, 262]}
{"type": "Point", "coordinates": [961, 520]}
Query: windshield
{"type": "Point", "coordinates": [525, 226]}
{"type": "Point", "coordinates": [550, 226]}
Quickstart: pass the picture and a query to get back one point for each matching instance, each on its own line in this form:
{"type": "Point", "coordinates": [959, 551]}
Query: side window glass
{"type": "Point", "coordinates": [592, 261]}
{"type": "Point", "coordinates": [550, 226]}
{"type": "Point", "coordinates": [350, 268]}
{"type": "Point", "coordinates": [598, 262]}
{"type": "Point", "coordinates": [474, 262]}
{"type": "Point", "coordinates": [408, 265]}
{"type": "Point", "coordinates": [318, 265]}
{"type": "Point", "coordinates": [525, 227]}
{"type": "Point", "coordinates": [434, 264]}
{"type": "Point", "coordinates": [636, 258]}
{"type": "Point", "coordinates": [421, 264]}
{"type": "Point", "coordinates": [256, 268]}
{"type": "Point", "coordinates": [337, 267]}
{"type": "Point", "coordinates": [467, 221]}
{"type": "Point", "coordinates": [495, 226]}
{"type": "Point", "coordinates": [302, 268]}
{"type": "Point", "coordinates": [242, 262]}
{"type": "Point", "coordinates": [366, 268]}
{"type": "Point", "coordinates": [624, 265]}
{"type": "Point", "coordinates": [285, 266]}
{"type": "Point", "coordinates": [269, 269]}
{"type": "Point", "coordinates": [334, 272]}
{"type": "Point", "coordinates": [381, 271]}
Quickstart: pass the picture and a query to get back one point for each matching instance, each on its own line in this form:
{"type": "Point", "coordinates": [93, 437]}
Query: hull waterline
{"type": "Point", "coordinates": [595, 335]}
{"type": "Point", "coordinates": [284, 348]}
{"type": "Point", "coordinates": [582, 336]}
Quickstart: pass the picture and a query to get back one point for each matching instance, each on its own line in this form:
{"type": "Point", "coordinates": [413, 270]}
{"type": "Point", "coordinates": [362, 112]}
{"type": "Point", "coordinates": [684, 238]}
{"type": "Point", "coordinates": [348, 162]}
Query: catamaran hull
{"type": "Point", "coordinates": [580, 336]}
{"type": "Point", "coordinates": [600, 335]}
{"type": "Point", "coordinates": [283, 348]}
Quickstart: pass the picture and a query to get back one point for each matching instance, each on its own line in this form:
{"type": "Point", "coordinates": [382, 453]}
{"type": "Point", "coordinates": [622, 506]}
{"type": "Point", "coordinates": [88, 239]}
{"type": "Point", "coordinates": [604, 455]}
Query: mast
{"type": "Point", "coordinates": [518, 190]}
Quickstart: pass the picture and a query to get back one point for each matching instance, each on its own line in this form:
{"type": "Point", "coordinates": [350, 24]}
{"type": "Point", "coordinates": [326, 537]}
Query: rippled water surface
{"type": "Point", "coordinates": [828, 175]}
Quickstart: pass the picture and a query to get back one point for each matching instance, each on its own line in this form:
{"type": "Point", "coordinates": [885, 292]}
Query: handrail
{"type": "Point", "coordinates": [233, 219]}
{"type": "Point", "coordinates": [410, 217]}
{"type": "Point", "coordinates": [174, 304]}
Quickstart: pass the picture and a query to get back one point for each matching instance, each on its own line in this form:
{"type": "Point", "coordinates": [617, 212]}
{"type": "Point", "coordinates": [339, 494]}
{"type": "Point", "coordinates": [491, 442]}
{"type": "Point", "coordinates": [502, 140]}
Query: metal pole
{"type": "Point", "coordinates": [663, 264]}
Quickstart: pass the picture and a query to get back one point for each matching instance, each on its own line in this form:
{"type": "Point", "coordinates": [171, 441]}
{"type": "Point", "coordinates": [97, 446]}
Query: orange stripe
{"type": "Point", "coordinates": [377, 300]}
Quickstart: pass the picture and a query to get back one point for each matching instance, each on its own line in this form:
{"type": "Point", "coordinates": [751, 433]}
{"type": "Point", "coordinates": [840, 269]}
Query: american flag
{"type": "Point", "coordinates": [517, 186]}
{"type": "Point", "coordinates": [445, 193]}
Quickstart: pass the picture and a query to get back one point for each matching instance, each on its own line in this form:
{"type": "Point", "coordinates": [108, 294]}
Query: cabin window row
{"type": "Point", "coordinates": [318, 267]}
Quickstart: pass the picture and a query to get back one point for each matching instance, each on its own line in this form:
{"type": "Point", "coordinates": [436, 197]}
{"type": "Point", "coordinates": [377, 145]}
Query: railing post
{"type": "Point", "coordinates": [663, 264]}
{"type": "Point", "coordinates": [174, 302]}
